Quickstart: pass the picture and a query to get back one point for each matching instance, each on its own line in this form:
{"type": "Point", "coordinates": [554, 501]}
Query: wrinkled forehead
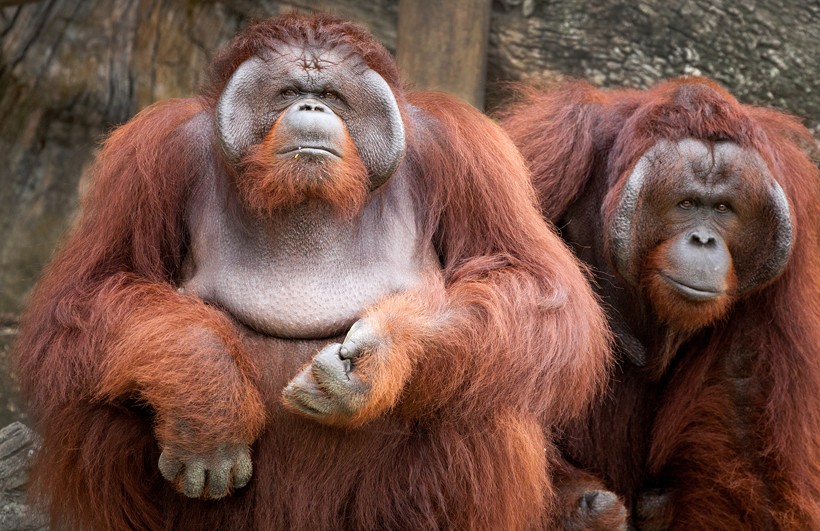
{"type": "Point", "coordinates": [707, 164]}
{"type": "Point", "coordinates": [313, 62]}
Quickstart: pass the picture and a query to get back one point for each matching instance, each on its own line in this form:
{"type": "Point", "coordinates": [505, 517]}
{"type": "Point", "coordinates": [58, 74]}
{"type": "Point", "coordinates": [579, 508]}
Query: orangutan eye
{"type": "Point", "coordinates": [687, 204]}
{"type": "Point", "coordinates": [289, 93]}
{"type": "Point", "coordinates": [329, 95]}
{"type": "Point", "coordinates": [722, 208]}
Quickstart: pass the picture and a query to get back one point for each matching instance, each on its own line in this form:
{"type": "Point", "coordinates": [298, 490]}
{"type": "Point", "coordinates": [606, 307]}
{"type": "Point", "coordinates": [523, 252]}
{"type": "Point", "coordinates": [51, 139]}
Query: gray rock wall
{"type": "Point", "coordinates": [18, 446]}
{"type": "Point", "coordinates": [765, 52]}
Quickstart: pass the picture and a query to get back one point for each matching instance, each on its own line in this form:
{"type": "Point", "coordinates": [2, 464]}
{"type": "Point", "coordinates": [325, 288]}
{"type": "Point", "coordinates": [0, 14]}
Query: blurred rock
{"type": "Point", "coordinates": [11, 404]}
{"type": "Point", "coordinates": [18, 446]}
{"type": "Point", "coordinates": [766, 53]}
{"type": "Point", "coordinates": [70, 70]}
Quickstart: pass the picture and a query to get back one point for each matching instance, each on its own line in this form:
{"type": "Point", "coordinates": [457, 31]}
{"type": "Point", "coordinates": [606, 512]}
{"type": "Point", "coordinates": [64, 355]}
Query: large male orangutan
{"type": "Point", "coordinates": [699, 216]}
{"type": "Point", "coordinates": [308, 300]}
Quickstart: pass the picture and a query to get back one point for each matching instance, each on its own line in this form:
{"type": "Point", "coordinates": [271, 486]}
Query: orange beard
{"type": "Point", "coordinates": [268, 182]}
{"type": "Point", "coordinates": [682, 314]}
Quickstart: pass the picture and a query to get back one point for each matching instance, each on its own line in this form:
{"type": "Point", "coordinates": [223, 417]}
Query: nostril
{"type": "Point", "coordinates": [702, 239]}
{"type": "Point", "coordinates": [311, 107]}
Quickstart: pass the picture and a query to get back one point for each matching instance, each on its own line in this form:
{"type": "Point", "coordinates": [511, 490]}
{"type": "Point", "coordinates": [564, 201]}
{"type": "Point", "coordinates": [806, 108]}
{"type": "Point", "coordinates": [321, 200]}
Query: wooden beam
{"type": "Point", "coordinates": [442, 45]}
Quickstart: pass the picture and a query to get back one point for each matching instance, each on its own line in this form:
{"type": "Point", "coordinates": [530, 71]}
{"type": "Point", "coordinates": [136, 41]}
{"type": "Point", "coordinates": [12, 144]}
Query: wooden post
{"type": "Point", "coordinates": [442, 45]}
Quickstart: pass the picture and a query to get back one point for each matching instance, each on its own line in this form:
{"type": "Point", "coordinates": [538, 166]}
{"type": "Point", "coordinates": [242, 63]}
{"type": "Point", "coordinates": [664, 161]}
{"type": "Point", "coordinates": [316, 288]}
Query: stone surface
{"type": "Point", "coordinates": [11, 404]}
{"type": "Point", "coordinates": [70, 70]}
{"type": "Point", "coordinates": [766, 53]}
{"type": "Point", "coordinates": [18, 446]}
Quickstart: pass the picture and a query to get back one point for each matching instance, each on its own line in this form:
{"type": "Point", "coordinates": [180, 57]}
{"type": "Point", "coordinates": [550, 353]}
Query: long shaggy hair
{"type": "Point", "coordinates": [730, 425]}
{"type": "Point", "coordinates": [266, 181]}
{"type": "Point", "coordinates": [457, 433]}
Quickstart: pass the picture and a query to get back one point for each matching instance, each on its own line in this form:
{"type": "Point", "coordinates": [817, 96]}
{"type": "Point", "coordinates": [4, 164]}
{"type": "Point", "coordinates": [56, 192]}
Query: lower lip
{"type": "Point", "coordinates": [690, 292]}
{"type": "Point", "coordinates": [308, 151]}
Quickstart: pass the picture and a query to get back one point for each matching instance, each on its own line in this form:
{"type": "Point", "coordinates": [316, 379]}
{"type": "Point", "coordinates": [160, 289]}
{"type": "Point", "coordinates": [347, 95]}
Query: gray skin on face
{"type": "Point", "coordinates": [719, 206]}
{"type": "Point", "coordinates": [265, 87]}
{"type": "Point", "coordinates": [305, 272]}
{"type": "Point", "coordinates": [311, 128]}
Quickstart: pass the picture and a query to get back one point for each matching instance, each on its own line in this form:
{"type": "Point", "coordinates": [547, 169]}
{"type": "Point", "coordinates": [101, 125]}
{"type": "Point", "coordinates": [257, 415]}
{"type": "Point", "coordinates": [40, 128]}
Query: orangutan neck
{"type": "Point", "coordinates": [305, 273]}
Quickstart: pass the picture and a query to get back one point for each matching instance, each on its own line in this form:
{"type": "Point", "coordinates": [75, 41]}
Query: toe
{"type": "Point", "coordinates": [219, 479]}
{"type": "Point", "coordinates": [169, 467]}
{"type": "Point", "coordinates": [193, 479]}
{"type": "Point", "coordinates": [242, 469]}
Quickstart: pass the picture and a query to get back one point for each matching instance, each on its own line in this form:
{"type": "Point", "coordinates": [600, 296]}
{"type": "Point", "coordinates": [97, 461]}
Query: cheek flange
{"type": "Point", "coordinates": [239, 120]}
{"type": "Point", "coordinates": [621, 239]}
{"type": "Point", "coordinates": [376, 127]}
{"type": "Point", "coordinates": [773, 262]}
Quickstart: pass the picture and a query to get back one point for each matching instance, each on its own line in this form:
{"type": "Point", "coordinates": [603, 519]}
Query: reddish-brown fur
{"type": "Point", "coordinates": [112, 356]}
{"type": "Point", "coordinates": [266, 184]}
{"type": "Point", "coordinates": [730, 429]}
